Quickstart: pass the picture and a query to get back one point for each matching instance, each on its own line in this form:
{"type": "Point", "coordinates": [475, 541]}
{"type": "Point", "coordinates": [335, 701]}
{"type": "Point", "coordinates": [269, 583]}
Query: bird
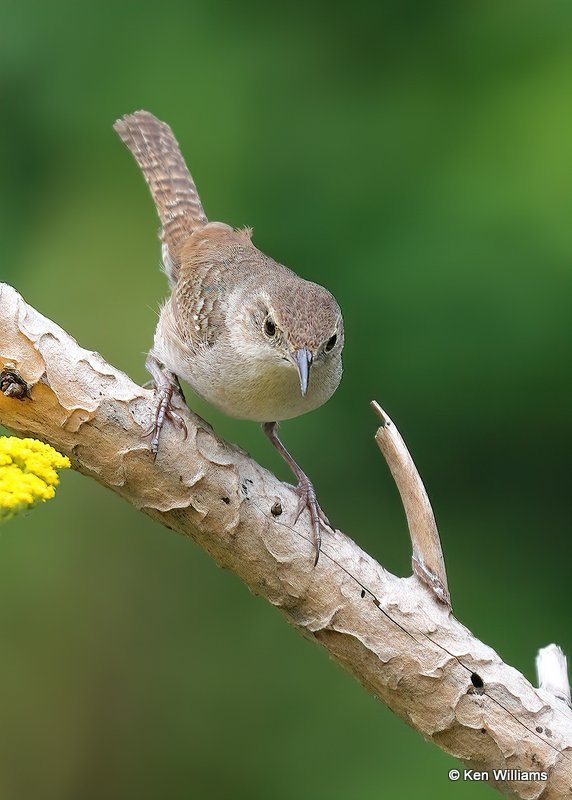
{"type": "Point", "coordinates": [249, 335]}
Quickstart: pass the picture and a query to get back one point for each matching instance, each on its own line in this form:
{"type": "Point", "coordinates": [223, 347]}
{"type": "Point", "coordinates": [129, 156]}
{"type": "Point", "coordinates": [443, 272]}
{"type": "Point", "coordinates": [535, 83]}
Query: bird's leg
{"type": "Point", "coordinates": [166, 385]}
{"type": "Point", "coordinates": [305, 488]}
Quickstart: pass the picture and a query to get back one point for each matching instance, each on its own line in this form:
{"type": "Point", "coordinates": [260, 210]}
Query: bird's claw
{"type": "Point", "coordinates": [164, 410]}
{"type": "Point", "coordinates": [308, 500]}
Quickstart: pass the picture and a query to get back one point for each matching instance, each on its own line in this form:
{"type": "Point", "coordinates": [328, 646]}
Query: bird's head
{"type": "Point", "coordinates": [297, 325]}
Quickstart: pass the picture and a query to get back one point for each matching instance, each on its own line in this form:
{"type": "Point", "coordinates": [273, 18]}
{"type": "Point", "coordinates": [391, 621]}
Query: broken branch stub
{"type": "Point", "coordinates": [427, 558]}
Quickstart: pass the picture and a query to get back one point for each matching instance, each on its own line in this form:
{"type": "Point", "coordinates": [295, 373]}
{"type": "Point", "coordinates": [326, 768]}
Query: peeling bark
{"type": "Point", "coordinates": [391, 633]}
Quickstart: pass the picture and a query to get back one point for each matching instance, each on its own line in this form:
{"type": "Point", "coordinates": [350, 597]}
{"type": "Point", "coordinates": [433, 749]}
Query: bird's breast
{"type": "Point", "coordinates": [259, 389]}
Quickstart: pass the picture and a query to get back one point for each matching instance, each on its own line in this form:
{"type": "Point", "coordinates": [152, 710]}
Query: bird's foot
{"type": "Point", "coordinates": [307, 494]}
{"type": "Point", "coordinates": [305, 489]}
{"type": "Point", "coordinates": [166, 389]}
{"type": "Point", "coordinates": [163, 410]}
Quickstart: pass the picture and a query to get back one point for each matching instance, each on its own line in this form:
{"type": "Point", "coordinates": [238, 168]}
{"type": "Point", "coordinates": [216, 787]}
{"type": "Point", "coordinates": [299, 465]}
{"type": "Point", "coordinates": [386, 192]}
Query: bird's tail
{"type": "Point", "coordinates": [157, 153]}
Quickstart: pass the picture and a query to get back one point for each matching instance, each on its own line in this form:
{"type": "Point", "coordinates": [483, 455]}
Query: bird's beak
{"type": "Point", "coordinates": [303, 358]}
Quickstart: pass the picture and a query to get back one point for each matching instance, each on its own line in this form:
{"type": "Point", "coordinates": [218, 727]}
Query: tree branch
{"type": "Point", "coordinates": [427, 558]}
{"type": "Point", "coordinates": [391, 633]}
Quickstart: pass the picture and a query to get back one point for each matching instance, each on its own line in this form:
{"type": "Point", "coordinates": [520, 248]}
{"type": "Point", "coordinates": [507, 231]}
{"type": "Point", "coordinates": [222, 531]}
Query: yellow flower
{"type": "Point", "coordinates": [28, 473]}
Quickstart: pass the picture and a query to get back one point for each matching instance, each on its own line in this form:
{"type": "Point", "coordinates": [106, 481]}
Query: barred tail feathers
{"type": "Point", "coordinates": [155, 149]}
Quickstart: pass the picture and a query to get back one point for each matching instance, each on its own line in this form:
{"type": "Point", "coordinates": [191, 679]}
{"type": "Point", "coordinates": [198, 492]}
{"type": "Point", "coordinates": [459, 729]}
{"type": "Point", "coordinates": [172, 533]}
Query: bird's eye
{"type": "Point", "coordinates": [269, 327]}
{"type": "Point", "coordinates": [330, 344]}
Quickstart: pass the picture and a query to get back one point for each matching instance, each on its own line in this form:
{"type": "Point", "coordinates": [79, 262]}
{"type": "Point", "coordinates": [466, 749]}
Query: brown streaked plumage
{"type": "Point", "coordinates": [247, 333]}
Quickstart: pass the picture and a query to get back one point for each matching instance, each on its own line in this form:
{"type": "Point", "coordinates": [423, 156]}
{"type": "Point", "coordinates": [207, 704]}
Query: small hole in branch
{"type": "Point", "coordinates": [477, 682]}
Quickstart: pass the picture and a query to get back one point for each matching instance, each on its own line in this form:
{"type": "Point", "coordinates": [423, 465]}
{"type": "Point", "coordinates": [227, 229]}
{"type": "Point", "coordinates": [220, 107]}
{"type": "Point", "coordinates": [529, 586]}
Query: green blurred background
{"type": "Point", "coordinates": [416, 158]}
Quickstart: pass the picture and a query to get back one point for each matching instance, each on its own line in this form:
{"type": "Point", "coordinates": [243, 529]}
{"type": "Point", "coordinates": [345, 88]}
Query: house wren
{"type": "Point", "coordinates": [246, 333]}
